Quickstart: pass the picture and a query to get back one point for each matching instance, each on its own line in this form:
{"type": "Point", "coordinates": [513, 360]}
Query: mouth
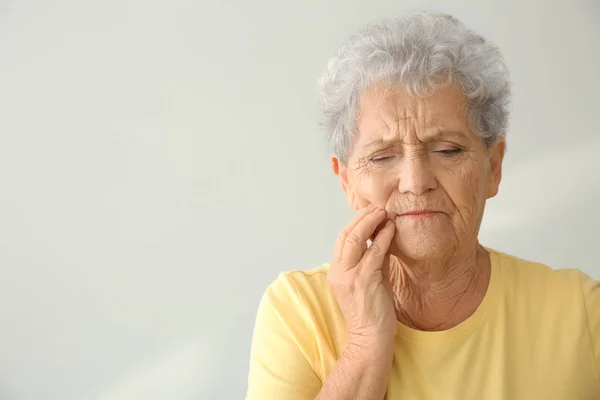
{"type": "Point", "coordinates": [419, 214]}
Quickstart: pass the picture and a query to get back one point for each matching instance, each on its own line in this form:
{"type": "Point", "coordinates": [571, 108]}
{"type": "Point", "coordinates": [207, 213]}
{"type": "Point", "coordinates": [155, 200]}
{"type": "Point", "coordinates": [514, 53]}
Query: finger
{"type": "Point", "coordinates": [386, 266]}
{"type": "Point", "coordinates": [341, 239]}
{"type": "Point", "coordinates": [355, 244]}
{"type": "Point", "coordinates": [377, 230]}
{"type": "Point", "coordinates": [375, 256]}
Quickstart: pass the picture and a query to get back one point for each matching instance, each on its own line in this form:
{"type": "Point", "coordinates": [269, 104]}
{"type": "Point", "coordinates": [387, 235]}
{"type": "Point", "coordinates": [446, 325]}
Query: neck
{"type": "Point", "coordinates": [439, 294]}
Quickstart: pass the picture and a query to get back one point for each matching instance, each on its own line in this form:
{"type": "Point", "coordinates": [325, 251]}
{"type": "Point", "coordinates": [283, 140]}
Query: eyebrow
{"type": "Point", "coordinates": [438, 132]}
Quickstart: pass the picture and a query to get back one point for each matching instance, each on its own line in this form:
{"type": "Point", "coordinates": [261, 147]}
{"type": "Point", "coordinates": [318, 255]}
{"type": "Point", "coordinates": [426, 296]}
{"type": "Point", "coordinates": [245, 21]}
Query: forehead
{"type": "Point", "coordinates": [387, 113]}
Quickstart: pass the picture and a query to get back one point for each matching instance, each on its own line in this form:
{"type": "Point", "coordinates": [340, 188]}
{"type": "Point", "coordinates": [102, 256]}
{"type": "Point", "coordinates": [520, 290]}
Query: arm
{"type": "Point", "coordinates": [362, 372]}
{"type": "Point", "coordinates": [283, 362]}
{"type": "Point", "coordinates": [359, 279]}
{"type": "Point", "coordinates": [281, 358]}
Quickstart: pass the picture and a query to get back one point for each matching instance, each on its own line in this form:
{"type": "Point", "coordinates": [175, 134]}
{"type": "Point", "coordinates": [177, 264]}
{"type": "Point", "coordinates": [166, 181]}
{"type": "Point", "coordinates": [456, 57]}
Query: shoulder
{"type": "Point", "coordinates": [531, 275]}
{"type": "Point", "coordinates": [304, 296]}
{"type": "Point", "coordinates": [540, 291]}
{"type": "Point", "coordinates": [286, 306]}
{"type": "Point", "coordinates": [284, 360]}
{"type": "Point", "coordinates": [561, 302]}
{"type": "Point", "coordinates": [565, 292]}
{"type": "Point", "coordinates": [301, 282]}
{"type": "Point", "coordinates": [304, 290]}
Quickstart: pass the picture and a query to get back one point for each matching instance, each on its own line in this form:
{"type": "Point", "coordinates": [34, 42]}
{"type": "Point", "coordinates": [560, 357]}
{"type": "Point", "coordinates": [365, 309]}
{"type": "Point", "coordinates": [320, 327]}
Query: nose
{"type": "Point", "coordinates": [415, 175]}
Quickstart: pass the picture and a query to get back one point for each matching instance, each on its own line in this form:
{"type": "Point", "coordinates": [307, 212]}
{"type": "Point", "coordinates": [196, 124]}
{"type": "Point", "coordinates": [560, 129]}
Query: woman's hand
{"type": "Point", "coordinates": [359, 278]}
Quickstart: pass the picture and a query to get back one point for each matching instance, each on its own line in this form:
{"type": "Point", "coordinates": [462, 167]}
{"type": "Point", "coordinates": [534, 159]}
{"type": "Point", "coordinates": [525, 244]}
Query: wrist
{"type": "Point", "coordinates": [377, 339]}
{"type": "Point", "coordinates": [369, 347]}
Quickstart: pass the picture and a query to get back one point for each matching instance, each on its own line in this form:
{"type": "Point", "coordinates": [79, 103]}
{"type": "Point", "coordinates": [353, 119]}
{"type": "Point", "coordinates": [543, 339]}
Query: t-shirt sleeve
{"type": "Point", "coordinates": [591, 297]}
{"type": "Point", "coordinates": [282, 353]}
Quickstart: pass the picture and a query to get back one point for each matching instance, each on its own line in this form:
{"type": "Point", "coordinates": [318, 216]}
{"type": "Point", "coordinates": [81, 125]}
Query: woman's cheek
{"type": "Point", "coordinates": [373, 189]}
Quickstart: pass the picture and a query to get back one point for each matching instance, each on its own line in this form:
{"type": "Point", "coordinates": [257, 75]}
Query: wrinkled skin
{"type": "Point", "coordinates": [420, 153]}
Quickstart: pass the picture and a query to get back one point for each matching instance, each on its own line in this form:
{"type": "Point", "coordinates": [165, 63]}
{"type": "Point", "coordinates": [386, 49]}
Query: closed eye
{"type": "Point", "coordinates": [379, 160]}
{"type": "Point", "coordinates": [450, 152]}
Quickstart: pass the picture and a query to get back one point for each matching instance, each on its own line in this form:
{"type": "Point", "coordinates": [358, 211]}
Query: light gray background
{"type": "Point", "coordinates": [160, 164]}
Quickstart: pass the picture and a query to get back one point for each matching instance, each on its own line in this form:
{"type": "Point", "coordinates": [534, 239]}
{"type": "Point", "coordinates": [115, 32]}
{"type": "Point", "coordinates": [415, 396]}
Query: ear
{"type": "Point", "coordinates": [496, 157]}
{"type": "Point", "coordinates": [342, 172]}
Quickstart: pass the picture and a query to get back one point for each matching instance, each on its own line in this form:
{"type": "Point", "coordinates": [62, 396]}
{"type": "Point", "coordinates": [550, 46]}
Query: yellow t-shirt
{"type": "Point", "coordinates": [536, 335]}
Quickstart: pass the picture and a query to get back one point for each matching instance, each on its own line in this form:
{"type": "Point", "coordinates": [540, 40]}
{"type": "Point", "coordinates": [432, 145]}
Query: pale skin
{"type": "Point", "coordinates": [419, 177]}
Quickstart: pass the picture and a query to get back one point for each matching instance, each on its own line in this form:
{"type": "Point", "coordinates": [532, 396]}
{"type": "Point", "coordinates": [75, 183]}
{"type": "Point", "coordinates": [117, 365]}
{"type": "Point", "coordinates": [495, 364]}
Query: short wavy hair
{"type": "Point", "coordinates": [420, 52]}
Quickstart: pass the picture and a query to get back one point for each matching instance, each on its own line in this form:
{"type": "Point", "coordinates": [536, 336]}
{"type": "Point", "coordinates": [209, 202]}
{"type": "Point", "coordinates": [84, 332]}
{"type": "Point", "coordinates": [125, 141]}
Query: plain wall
{"type": "Point", "coordinates": [160, 164]}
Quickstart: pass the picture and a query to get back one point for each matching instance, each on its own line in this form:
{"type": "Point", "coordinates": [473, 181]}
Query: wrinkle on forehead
{"type": "Point", "coordinates": [389, 114]}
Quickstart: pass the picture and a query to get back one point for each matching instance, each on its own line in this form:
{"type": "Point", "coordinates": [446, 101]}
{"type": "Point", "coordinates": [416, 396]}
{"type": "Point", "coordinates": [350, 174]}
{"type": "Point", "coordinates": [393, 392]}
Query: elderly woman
{"type": "Point", "coordinates": [412, 306]}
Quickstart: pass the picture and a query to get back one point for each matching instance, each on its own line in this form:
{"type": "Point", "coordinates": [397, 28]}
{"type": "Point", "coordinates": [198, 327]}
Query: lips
{"type": "Point", "coordinates": [419, 214]}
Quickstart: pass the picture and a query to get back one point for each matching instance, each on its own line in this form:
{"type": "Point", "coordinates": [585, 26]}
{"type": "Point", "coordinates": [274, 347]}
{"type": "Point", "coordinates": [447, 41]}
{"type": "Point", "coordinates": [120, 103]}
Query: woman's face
{"type": "Point", "coordinates": [418, 159]}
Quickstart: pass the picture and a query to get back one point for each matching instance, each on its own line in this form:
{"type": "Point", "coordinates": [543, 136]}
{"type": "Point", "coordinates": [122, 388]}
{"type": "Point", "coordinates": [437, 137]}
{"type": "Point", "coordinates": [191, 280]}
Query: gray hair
{"type": "Point", "coordinates": [421, 52]}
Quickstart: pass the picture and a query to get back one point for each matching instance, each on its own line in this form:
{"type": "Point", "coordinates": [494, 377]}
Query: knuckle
{"type": "Point", "coordinates": [376, 249]}
{"type": "Point", "coordinates": [353, 239]}
{"type": "Point", "coordinates": [342, 234]}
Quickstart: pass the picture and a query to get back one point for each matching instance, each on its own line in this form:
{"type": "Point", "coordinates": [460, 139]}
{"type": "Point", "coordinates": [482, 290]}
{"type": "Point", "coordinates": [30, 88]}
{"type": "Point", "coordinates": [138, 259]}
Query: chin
{"type": "Point", "coordinates": [421, 244]}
